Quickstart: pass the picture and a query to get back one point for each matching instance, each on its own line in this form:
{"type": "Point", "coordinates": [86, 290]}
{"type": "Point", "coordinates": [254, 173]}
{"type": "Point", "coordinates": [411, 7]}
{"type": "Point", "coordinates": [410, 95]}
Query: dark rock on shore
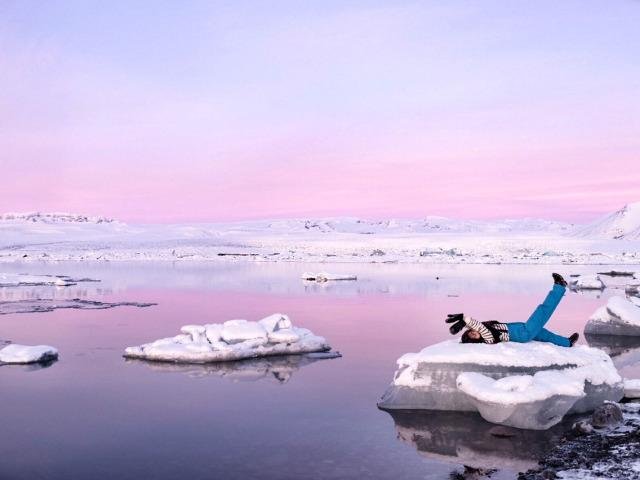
{"type": "Point", "coordinates": [608, 453]}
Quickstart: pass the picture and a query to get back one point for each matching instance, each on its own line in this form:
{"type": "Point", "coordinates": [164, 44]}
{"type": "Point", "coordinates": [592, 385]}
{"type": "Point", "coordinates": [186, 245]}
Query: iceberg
{"type": "Point", "coordinates": [534, 402]}
{"type": "Point", "coordinates": [433, 380]}
{"type": "Point", "coordinates": [587, 282]}
{"type": "Point", "coordinates": [232, 340]}
{"type": "Point", "coordinates": [23, 354]}
{"type": "Point", "coordinates": [618, 317]}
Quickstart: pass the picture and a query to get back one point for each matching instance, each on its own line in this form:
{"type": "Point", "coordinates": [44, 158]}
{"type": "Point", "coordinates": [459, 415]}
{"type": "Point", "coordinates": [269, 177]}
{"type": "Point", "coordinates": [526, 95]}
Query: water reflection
{"type": "Point", "coordinates": [623, 350]}
{"type": "Point", "coordinates": [466, 438]}
{"type": "Point", "coordinates": [278, 369]}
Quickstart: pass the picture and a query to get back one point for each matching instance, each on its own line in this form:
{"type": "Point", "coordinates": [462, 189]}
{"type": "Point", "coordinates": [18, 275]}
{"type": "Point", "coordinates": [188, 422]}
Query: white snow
{"type": "Point", "coordinates": [632, 388]}
{"type": "Point", "coordinates": [624, 310]}
{"type": "Point", "coordinates": [618, 309]}
{"type": "Point", "coordinates": [587, 282]}
{"type": "Point", "coordinates": [325, 277]}
{"type": "Point", "coordinates": [592, 364]}
{"type": "Point", "coordinates": [622, 224]}
{"type": "Point", "coordinates": [519, 388]}
{"type": "Point", "coordinates": [14, 353]}
{"type": "Point", "coordinates": [232, 340]}
{"type": "Point", "coordinates": [58, 237]}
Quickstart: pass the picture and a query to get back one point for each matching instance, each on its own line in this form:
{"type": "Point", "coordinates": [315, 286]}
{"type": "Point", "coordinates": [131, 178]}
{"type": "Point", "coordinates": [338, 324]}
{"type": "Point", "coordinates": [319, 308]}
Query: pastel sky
{"type": "Point", "coordinates": [151, 111]}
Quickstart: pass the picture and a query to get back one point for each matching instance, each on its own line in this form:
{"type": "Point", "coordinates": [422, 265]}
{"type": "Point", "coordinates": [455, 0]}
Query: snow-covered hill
{"type": "Point", "coordinates": [615, 239]}
{"type": "Point", "coordinates": [623, 224]}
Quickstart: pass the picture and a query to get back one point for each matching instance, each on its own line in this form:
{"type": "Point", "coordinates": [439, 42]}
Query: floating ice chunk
{"type": "Point", "coordinates": [618, 317]}
{"type": "Point", "coordinates": [236, 331]}
{"type": "Point", "coordinates": [534, 402]}
{"type": "Point", "coordinates": [14, 353]}
{"type": "Point", "coordinates": [275, 322]}
{"type": "Point", "coordinates": [232, 340]}
{"type": "Point", "coordinates": [325, 277]}
{"type": "Point", "coordinates": [587, 282]}
{"type": "Point", "coordinates": [428, 379]}
{"type": "Point", "coordinates": [285, 335]}
{"type": "Point", "coordinates": [632, 388]}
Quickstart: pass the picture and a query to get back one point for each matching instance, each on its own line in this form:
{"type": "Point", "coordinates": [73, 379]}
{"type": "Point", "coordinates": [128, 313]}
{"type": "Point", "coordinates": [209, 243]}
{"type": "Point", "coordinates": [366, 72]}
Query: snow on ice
{"type": "Point", "coordinates": [22, 354]}
{"type": "Point", "coordinates": [587, 282]}
{"type": "Point", "coordinates": [619, 316]}
{"type": "Point", "coordinates": [431, 380]}
{"type": "Point", "coordinates": [232, 340]}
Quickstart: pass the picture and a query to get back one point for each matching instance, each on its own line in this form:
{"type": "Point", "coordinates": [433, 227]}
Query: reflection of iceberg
{"type": "Point", "coordinates": [279, 369]}
{"type": "Point", "coordinates": [465, 438]}
{"type": "Point", "coordinates": [624, 351]}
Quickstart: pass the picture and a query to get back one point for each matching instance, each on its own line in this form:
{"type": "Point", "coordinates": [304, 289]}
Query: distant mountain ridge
{"type": "Point", "coordinates": [623, 224]}
{"type": "Point", "coordinates": [54, 217]}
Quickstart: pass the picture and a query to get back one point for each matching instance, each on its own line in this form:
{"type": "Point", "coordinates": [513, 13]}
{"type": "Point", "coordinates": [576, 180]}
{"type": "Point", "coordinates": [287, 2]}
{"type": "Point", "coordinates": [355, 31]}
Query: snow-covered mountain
{"type": "Point", "coordinates": [623, 224]}
{"type": "Point", "coordinates": [61, 237]}
{"type": "Point", "coordinates": [55, 217]}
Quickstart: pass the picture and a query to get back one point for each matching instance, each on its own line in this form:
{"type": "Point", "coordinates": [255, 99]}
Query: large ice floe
{"type": "Point", "coordinates": [232, 340]}
{"type": "Point", "coordinates": [524, 385]}
{"type": "Point", "coordinates": [24, 354]}
{"type": "Point", "coordinates": [620, 316]}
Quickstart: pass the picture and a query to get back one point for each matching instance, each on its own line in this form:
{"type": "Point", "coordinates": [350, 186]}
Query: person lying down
{"type": "Point", "coordinates": [522, 332]}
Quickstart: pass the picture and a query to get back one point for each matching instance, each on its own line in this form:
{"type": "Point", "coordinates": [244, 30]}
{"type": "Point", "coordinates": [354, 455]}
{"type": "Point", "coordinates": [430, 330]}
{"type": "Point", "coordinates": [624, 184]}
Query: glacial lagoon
{"type": "Point", "coordinates": [93, 414]}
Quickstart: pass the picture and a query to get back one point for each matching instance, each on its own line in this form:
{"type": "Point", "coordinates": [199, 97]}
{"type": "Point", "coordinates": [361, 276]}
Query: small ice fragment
{"type": "Point", "coordinates": [14, 353]}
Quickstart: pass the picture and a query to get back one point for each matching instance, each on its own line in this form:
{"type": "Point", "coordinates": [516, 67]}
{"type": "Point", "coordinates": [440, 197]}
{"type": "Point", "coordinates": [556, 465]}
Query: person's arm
{"type": "Point", "coordinates": [484, 332]}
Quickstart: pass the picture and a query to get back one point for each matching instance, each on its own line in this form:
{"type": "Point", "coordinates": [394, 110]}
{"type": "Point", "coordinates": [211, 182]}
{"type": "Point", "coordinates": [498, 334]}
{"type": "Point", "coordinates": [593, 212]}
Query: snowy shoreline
{"type": "Point", "coordinates": [614, 240]}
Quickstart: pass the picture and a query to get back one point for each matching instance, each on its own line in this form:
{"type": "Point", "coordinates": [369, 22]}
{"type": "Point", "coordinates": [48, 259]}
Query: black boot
{"type": "Point", "coordinates": [574, 338]}
{"type": "Point", "coordinates": [457, 319]}
{"type": "Point", "coordinates": [558, 280]}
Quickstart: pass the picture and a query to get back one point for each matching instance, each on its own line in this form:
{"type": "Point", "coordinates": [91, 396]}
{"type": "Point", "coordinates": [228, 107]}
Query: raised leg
{"type": "Point", "coordinates": [543, 312]}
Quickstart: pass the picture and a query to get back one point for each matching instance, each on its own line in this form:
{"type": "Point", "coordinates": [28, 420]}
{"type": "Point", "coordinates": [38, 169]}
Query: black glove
{"type": "Point", "coordinates": [457, 319]}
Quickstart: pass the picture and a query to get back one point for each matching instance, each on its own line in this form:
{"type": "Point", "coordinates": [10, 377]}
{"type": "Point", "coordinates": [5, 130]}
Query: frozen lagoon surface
{"type": "Point", "coordinates": [93, 414]}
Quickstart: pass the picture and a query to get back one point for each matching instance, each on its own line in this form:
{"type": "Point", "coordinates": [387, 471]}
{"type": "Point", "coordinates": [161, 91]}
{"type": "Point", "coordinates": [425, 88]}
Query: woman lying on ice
{"type": "Point", "coordinates": [533, 329]}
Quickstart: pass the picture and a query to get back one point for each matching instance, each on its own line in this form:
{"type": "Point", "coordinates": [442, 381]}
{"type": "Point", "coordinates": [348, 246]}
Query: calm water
{"type": "Point", "coordinates": [94, 415]}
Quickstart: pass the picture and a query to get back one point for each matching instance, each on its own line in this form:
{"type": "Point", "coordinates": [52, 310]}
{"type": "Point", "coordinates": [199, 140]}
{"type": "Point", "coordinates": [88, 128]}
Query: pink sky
{"type": "Point", "coordinates": [218, 113]}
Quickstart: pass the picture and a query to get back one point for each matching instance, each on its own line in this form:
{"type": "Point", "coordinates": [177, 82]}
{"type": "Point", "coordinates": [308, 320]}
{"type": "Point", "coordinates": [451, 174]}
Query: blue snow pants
{"type": "Point", "coordinates": [533, 329]}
